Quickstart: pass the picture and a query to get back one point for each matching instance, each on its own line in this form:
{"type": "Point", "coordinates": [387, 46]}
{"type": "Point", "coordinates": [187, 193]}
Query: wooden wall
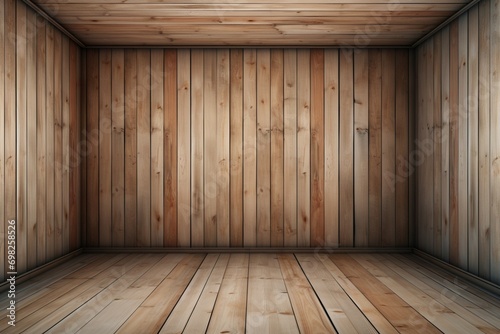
{"type": "Point", "coordinates": [247, 148]}
{"type": "Point", "coordinates": [458, 135]}
{"type": "Point", "coordinates": [39, 180]}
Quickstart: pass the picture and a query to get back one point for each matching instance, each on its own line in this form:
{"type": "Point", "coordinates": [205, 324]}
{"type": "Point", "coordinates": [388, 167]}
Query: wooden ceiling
{"type": "Point", "coordinates": [250, 22]}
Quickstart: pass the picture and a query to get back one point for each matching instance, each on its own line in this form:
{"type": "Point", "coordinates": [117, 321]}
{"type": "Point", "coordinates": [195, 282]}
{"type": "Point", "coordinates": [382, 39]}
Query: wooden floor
{"type": "Point", "coordinates": [252, 293]}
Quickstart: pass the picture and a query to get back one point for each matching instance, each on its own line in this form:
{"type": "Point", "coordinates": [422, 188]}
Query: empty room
{"type": "Point", "coordinates": [249, 166]}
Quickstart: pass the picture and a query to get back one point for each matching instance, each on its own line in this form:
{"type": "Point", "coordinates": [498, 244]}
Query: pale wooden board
{"type": "Point", "coordinates": [229, 312]}
{"type": "Point", "coordinates": [277, 147]}
{"type": "Point", "coordinates": [43, 319]}
{"type": "Point", "coordinates": [473, 143]}
{"type": "Point", "coordinates": [364, 305]}
{"type": "Point", "coordinates": [307, 308]}
{"type": "Point", "coordinates": [197, 146]}
{"type": "Point", "coordinates": [143, 228]}
{"type": "Point", "coordinates": [401, 315]}
{"type": "Point", "coordinates": [88, 316]}
{"type": "Point", "coordinates": [489, 305]}
{"type": "Point", "coordinates": [83, 157]}
{"type": "Point", "coordinates": [156, 133]}
{"type": "Point", "coordinates": [331, 148]}
{"type": "Point", "coordinates": [59, 148]}
{"type": "Point", "coordinates": [152, 313]}
{"type": "Point", "coordinates": [210, 146]}
{"type": "Point", "coordinates": [170, 149]}
{"type": "Point", "coordinates": [484, 141]}
{"type": "Point", "coordinates": [361, 147]}
{"type": "Point", "coordinates": [2, 155]}
{"type": "Point", "coordinates": [402, 149]}
{"type": "Point", "coordinates": [462, 127]}
{"type": "Point", "coordinates": [183, 148]}
{"type": "Point", "coordinates": [49, 144]}
{"type": "Point", "coordinates": [290, 147]}
{"type": "Point", "coordinates": [263, 157]}
{"type": "Point", "coordinates": [21, 144]}
{"type": "Point", "coordinates": [437, 147]}
{"type": "Point", "coordinates": [130, 165]}
{"type": "Point", "coordinates": [202, 312]}
{"type": "Point", "coordinates": [268, 306]}
{"type": "Point", "coordinates": [342, 311]}
{"type": "Point", "coordinates": [445, 148]}
{"type": "Point", "coordinates": [118, 147]}
{"type": "Point", "coordinates": [346, 149]}
{"type": "Point", "coordinates": [447, 321]}
{"type": "Point", "coordinates": [40, 140]}
{"type": "Point", "coordinates": [375, 148]}
{"type": "Point", "coordinates": [249, 147]}
{"type": "Point", "coordinates": [317, 148]}
{"type": "Point", "coordinates": [184, 308]}
{"type": "Point", "coordinates": [453, 162]}
{"type": "Point", "coordinates": [494, 140]}
{"type": "Point", "coordinates": [105, 131]}
{"type": "Point", "coordinates": [223, 138]}
{"type": "Point", "coordinates": [303, 148]}
{"type": "Point", "coordinates": [75, 186]}
{"type": "Point", "coordinates": [236, 148]}
{"type": "Point", "coordinates": [67, 119]}
{"type": "Point", "coordinates": [388, 148]}
{"type": "Point", "coordinates": [461, 306]}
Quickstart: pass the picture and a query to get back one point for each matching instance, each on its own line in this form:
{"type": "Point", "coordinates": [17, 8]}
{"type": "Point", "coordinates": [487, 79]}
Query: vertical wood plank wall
{"type": "Point", "coordinates": [457, 154]}
{"type": "Point", "coordinates": [39, 138]}
{"type": "Point", "coordinates": [247, 148]}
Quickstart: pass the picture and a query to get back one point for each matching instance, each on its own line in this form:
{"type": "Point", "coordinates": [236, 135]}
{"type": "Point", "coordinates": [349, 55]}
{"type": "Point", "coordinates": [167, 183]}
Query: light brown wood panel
{"type": "Point", "coordinates": [32, 144]}
{"type": "Point", "coordinates": [236, 143]}
{"type": "Point", "coordinates": [464, 130]}
{"type": "Point", "coordinates": [361, 146]}
{"type": "Point", "coordinates": [495, 139]}
{"type": "Point", "coordinates": [170, 149]}
{"type": "Point", "coordinates": [250, 147]}
{"type": "Point", "coordinates": [210, 146]}
{"type": "Point", "coordinates": [263, 147]}
{"type": "Point", "coordinates": [375, 148]}
{"type": "Point", "coordinates": [331, 197]}
{"type": "Point", "coordinates": [317, 148]}
{"type": "Point", "coordinates": [346, 149]}
{"type": "Point", "coordinates": [197, 156]}
{"type": "Point", "coordinates": [130, 115]}
{"type": "Point", "coordinates": [156, 130]}
{"type": "Point", "coordinates": [223, 137]}
{"type": "Point", "coordinates": [228, 111]}
{"type": "Point", "coordinates": [388, 147]}
{"type": "Point", "coordinates": [201, 23]}
{"type": "Point", "coordinates": [277, 147]}
{"type": "Point", "coordinates": [105, 216]}
{"type": "Point", "coordinates": [118, 145]}
{"type": "Point", "coordinates": [290, 147]}
{"type": "Point", "coordinates": [303, 148]}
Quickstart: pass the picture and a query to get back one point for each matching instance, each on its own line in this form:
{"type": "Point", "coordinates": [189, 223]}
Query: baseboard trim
{"type": "Point", "coordinates": [485, 285]}
{"type": "Point", "coordinates": [4, 286]}
{"type": "Point", "coordinates": [322, 250]}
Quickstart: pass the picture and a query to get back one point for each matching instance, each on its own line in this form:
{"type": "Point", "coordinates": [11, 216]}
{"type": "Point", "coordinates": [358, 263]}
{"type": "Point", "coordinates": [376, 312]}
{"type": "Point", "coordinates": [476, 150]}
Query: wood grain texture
{"type": "Point", "coordinates": [156, 131]}
{"type": "Point", "coordinates": [464, 125]}
{"type": "Point", "coordinates": [263, 160]}
{"type": "Point", "coordinates": [247, 23]}
{"type": "Point", "coordinates": [236, 148]}
{"type": "Point", "coordinates": [263, 147]}
{"type": "Point", "coordinates": [346, 149]}
{"type": "Point", "coordinates": [361, 148]}
{"type": "Point", "coordinates": [317, 148]}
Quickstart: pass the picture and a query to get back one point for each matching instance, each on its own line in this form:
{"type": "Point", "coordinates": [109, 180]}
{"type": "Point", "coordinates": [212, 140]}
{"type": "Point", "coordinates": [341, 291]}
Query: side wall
{"type": "Point", "coordinates": [39, 98]}
{"type": "Point", "coordinates": [247, 148]}
{"type": "Point", "coordinates": [458, 135]}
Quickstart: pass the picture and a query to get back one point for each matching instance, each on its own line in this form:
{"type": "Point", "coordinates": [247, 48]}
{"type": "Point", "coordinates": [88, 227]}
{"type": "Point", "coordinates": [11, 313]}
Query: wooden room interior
{"type": "Point", "coordinates": [246, 166]}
